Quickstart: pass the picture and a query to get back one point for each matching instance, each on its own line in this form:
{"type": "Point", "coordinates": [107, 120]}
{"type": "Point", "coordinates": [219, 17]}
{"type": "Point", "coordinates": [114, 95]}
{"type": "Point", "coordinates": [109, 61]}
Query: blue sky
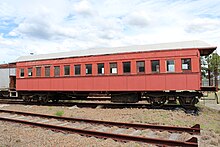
{"type": "Point", "coordinates": [48, 26]}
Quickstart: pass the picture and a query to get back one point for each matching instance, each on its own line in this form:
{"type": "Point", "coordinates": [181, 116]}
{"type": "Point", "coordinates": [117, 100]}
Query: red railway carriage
{"type": "Point", "coordinates": [160, 72]}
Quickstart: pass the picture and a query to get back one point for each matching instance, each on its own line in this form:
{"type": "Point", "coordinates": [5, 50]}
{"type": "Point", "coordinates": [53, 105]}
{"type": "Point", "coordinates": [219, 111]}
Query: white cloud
{"type": "Point", "coordinates": [41, 26]}
{"type": "Point", "coordinates": [201, 25]}
{"type": "Point", "coordinates": [84, 8]}
{"type": "Point", "coordinates": [139, 19]}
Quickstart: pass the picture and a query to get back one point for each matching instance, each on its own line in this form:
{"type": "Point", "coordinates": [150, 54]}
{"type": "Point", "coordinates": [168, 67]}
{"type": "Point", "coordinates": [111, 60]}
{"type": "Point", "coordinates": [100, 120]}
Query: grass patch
{"type": "Point", "coordinates": [59, 113]}
{"type": "Point", "coordinates": [211, 120]}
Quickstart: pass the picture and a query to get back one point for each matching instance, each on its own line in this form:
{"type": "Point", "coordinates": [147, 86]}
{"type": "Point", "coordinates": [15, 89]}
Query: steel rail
{"type": "Point", "coordinates": [192, 130]}
{"type": "Point", "coordinates": [193, 142]}
{"type": "Point", "coordinates": [94, 105]}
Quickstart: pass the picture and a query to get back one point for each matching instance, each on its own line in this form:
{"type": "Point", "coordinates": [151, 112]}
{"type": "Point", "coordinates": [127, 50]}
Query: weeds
{"type": "Point", "coordinates": [59, 113]}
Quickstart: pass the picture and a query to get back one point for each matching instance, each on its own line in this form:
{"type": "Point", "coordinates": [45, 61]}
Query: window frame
{"type": "Point", "coordinates": [56, 67]}
{"type": "Point", "coordinates": [64, 69]}
{"type": "Point", "coordinates": [190, 65]}
{"type": "Point", "coordinates": [110, 68]}
{"type": "Point", "coordinates": [20, 72]}
{"type": "Point", "coordinates": [98, 68]}
{"type": "Point", "coordinates": [138, 67]}
{"type": "Point", "coordinates": [167, 65]}
{"type": "Point", "coordinates": [88, 69]}
{"type": "Point", "coordinates": [156, 67]}
{"type": "Point", "coordinates": [77, 65]}
{"type": "Point", "coordinates": [45, 71]}
{"type": "Point", "coordinates": [30, 68]}
{"type": "Point", "coordinates": [39, 72]}
{"type": "Point", "coordinates": [123, 67]}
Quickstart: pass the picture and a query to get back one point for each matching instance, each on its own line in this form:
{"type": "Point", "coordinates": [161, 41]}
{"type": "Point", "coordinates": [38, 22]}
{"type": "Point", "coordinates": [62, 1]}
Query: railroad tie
{"type": "Point", "coordinates": [64, 124]}
{"type": "Point", "coordinates": [135, 133]}
{"type": "Point", "coordinates": [174, 136]}
{"type": "Point", "coordinates": [43, 121]}
{"type": "Point", "coordinates": [103, 129]}
{"type": "Point", "coordinates": [118, 131]}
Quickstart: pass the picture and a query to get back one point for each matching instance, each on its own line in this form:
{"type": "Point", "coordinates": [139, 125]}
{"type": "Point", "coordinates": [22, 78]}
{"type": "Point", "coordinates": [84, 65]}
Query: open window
{"type": "Point", "coordinates": [186, 64]}
{"type": "Point", "coordinates": [126, 67]}
{"type": "Point", "coordinates": [155, 66]}
{"type": "Point", "coordinates": [101, 69]}
{"type": "Point", "coordinates": [88, 69]}
{"type": "Point", "coordinates": [22, 72]}
{"type": "Point", "coordinates": [30, 72]}
{"type": "Point", "coordinates": [140, 66]}
{"type": "Point", "coordinates": [113, 68]}
{"type": "Point", "coordinates": [77, 69]}
{"type": "Point", "coordinates": [66, 70]}
{"type": "Point", "coordinates": [170, 66]}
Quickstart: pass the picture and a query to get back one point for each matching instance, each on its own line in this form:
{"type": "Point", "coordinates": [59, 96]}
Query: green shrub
{"type": "Point", "coordinates": [59, 113]}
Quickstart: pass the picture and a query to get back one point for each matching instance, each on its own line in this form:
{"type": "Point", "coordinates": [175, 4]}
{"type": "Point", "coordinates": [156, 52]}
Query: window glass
{"type": "Point", "coordinates": [88, 69]}
{"type": "Point", "coordinates": [38, 71]}
{"type": "Point", "coordinates": [77, 69]}
{"type": "Point", "coordinates": [186, 64]}
{"type": "Point", "coordinates": [22, 72]}
{"type": "Point", "coordinates": [56, 71]}
{"type": "Point", "coordinates": [170, 66]}
{"type": "Point", "coordinates": [101, 69]}
{"type": "Point", "coordinates": [66, 70]}
{"type": "Point", "coordinates": [30, 72]}
{"type": "Point", "coordinates": [113, 68]}
{"type": "Point", "coordinates": [126, 67]}
{"type": "Point", "coordinates": [47, 71]}
{"type": "Point", "coordinates": [155, 66]}
{"type": "Point", "coordinates": [140, 66]}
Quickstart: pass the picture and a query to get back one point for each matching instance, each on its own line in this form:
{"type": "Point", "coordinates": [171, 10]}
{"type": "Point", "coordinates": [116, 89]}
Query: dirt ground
{"type": "Point", "coordinates": [12, 134]}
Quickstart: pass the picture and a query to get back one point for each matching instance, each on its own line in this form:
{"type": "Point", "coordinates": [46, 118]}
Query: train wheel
{"type": "Point", "coordinates": [26, 98]}
{"type": "Point", "coordinates": [43, 99]}
{"type": "Point", "coordinates": [188, 102]}
{"type": "Point", "coordinates": [157, 102]}
{"type": "Point", "coordinates": [55, 100]}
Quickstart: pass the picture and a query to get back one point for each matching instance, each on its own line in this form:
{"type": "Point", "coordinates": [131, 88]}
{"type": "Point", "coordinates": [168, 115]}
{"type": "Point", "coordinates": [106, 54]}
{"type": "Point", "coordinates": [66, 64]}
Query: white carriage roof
{"type": "Point", "coordinates": [114, 50]}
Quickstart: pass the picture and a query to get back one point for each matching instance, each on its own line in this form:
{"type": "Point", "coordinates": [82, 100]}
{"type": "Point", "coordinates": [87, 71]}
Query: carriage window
{"type": "Point", "coordinates": [30, 72]}
{"type": "Point", "coordinates": [126, 67]}
{"type": "Point", "coordinates": [88, 69]}
{"type": "Point", "coordinates": [77, 69]}
{"type": "Point", "coordinates": [101, 69]}
{"type": "Point", "coordinates": [38, 71]}
{"type": "Point", "coordinates": [22, 72]}
{"type": "Point", "coordinates": [113, 68]}
{"type": "Point", "coordinates": [66, 70]}
{"type": "Point", "coordinates": [170, 66]}
{"type": "Point", "coordinates": [155, 66]}
{"type": "Point", "coordinates": [186, 64]}
{"type": "Point", "coordinates": [56, 71]}
{"type": "Point", "coordinates": [47, 71]}
{"type": "Point", "coordinates": [140, 66]}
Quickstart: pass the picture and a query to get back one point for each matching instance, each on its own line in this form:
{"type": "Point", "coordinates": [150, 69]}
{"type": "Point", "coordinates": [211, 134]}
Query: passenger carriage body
{"type": "Point", "coordinates": [8, 80]}
{"type": "Point", "coordinates": [158, 72]}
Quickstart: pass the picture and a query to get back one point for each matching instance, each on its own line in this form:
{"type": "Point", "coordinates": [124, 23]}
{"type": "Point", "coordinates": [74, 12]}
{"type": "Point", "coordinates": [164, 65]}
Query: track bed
{"type": "Point", "coordinates": [103, 129]}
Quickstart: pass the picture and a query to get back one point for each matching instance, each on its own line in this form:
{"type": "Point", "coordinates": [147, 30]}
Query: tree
{"type": "Point", "coordinates": [213, 61]}
{"type": "Point", "coordinates": [213, 68]}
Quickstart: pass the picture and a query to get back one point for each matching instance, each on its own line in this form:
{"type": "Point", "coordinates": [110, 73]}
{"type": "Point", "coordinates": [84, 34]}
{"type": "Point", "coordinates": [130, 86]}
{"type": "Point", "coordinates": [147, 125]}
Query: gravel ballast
{"type": "Point", "coordinates": [13, 134]}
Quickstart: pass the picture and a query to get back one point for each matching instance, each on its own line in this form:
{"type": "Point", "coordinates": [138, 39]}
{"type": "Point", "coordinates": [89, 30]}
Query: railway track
{"type": "Point", "coordinates": [91, 104]}
{"type": "Point", "coordinates": [104, 129]}
{"type": "Point", "coordinates": [104, 105]}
